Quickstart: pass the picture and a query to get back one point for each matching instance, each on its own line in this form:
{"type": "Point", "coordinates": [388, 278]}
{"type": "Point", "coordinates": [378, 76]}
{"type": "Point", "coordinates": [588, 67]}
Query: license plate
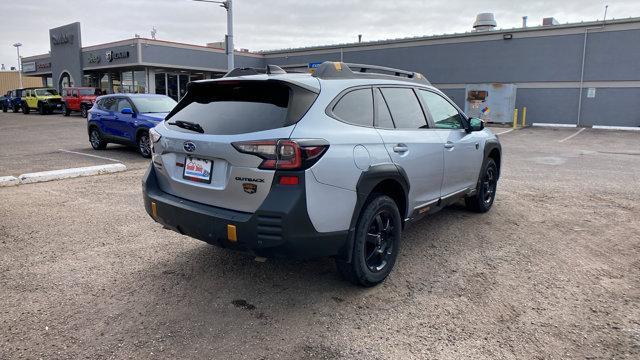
{"type": "Point", "coordinates": [58, 105]}
{"type": "Point", "coordinates": [196, 169]}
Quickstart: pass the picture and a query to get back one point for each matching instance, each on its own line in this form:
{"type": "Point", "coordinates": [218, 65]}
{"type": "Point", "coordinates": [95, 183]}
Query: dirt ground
{"type": "Point", "coordinates": [551, 272]}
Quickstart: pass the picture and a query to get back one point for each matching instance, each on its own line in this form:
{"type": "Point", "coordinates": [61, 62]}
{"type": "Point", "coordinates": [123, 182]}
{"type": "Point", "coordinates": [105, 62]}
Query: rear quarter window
{"type": "Point", "coordinates": [237, 107]}
{"type": "Point", "coordinates": [355, 107]}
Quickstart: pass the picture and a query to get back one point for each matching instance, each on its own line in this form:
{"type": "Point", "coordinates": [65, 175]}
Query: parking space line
{"type": "Point", "coordinates": [95, 156]}
{"type": "Point", "coordinates": [572, 135]}
{"type": "Point", "coordinates": [504, 132]}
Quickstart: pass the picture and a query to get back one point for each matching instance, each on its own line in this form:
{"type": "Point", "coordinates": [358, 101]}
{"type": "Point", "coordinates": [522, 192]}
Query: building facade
{"type": "Point", "coordinates": [577, 74]}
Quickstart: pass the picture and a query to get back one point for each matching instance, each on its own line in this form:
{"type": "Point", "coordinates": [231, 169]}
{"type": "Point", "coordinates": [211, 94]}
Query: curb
{"type": "Point", "coordinates": [43, 176]}
{"type": "Point", "coordinates": [9, 181]}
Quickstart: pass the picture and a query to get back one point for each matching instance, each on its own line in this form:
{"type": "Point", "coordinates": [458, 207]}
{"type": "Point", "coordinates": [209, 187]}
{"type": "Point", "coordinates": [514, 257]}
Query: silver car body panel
{"type": "Point", "coordinates": [433, 170]}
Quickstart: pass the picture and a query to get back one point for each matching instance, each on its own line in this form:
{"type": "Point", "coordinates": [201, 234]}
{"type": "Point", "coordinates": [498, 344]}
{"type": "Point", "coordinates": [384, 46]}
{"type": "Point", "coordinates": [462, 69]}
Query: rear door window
{"type": "Point", "coordinates": [405, 108]}
{"type": "Point", "coordinates": [383, 116]}
{"type": "Point", "coordinates": [355, 107]}
{"type": "Point", "coordinates": [109, 104]}
{"type": "Point", "coordinates": [237, 107]}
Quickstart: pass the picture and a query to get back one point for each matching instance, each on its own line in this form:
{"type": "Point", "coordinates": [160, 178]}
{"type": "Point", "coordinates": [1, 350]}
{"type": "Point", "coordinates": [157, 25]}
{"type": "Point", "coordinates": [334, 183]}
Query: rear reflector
{"type": "Point", "coordinates": [289, 180]}
{"type": "Point", "coordinates": [231, 233]}
{"type": "Point", "coordinates": [154, 209]}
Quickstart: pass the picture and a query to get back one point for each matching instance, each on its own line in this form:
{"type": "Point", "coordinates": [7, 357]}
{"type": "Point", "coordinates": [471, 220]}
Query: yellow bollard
{"type": "Point", "coordinates": [524, 116]}
{"type": "Point", "coordinates": [515, 118]}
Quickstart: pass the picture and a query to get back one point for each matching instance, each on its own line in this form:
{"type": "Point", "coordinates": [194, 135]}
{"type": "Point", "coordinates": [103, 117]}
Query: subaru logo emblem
{"type": "Point", "coordinates": [189, 146]}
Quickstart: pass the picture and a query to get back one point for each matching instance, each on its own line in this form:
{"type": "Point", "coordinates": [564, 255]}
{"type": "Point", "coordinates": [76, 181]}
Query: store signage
{"type": "Point", "coordinates": [29, 66]}
{"type": "Point", "coordinates": [61, 39]}
{"type": "Point", "coordinates": [44, 66]}
{"type": "Point", "coordinates": [113, 55]}
{"type": "Point", "coordinates": [94, 59]}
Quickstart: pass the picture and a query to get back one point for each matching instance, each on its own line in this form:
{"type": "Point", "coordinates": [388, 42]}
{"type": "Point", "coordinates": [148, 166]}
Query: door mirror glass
{"type": "Point", "coordinates": [476, 124]}
{"type": "Point", "coordinates": [127, 111]}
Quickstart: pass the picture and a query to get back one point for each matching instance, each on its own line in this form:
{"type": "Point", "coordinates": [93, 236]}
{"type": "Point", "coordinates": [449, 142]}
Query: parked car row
{"type": "Point", "coordinates": [46, 100]}
{"type": "Point", "coordinates": [116, 118]}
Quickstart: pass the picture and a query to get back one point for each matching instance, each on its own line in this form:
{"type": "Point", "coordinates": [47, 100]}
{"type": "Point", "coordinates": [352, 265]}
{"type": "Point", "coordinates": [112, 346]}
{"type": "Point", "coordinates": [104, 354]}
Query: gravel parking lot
{"type": "Point", "coordinates": [551, 272]}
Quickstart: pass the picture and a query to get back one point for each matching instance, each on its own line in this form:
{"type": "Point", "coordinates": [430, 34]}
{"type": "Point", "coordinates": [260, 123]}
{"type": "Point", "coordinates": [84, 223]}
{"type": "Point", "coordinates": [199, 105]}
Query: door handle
{"type": "Point", "coordinates": [449, 145]}
{"type": "Point", "coordinates": [400, 148]}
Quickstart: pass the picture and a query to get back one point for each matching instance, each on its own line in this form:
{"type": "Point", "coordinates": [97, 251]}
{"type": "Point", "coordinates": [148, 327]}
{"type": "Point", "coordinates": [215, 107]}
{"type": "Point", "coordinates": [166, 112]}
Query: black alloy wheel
{"type": "Point", "coordinates": [376, 243]}
{"type": "Point", "coordinates": [84, 111]}
{"type": "Point", "coordinates": [379, 241]}
{"type": "Point", "coordinates": [486, 191]}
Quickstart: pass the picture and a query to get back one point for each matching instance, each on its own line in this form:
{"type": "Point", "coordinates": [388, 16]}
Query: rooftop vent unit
{"type": "Point", "coordinates": [484, 22]}
{"type": "Point", "coordinates": [549, 21]}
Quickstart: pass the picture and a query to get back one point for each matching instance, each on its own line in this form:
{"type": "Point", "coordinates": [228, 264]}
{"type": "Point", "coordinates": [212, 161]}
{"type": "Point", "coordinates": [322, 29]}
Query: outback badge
{"type": "Point", "coordinates": [250, 188]}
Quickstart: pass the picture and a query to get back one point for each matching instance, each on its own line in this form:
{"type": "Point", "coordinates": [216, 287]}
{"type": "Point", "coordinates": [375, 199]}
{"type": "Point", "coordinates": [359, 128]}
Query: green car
{"type": "Point", "coordinates": [45, 100]}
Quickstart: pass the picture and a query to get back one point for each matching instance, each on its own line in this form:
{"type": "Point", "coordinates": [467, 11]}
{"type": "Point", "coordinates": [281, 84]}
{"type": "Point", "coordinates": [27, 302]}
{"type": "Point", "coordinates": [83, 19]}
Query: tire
{"type": "Point", "coordinates": [96, 140]}
{"type": "Point", "coordinates": [84, 111]}
{"type": "Point", "coordinates": [144, 144]}
{"type": "Point", "coordinates": [25, 109]}
{"type": "Point", "coordinates": [482, 201]}
{"type": "Point", "coordinates": [4, 108]}
{"type": "Point", "coordinates": [16, 108]}
{"type": "Point", "coordinates": [41, 109]}
{"type": "Point", "coordinates": [376, 243]}
{"type": "Point", "coordinates": [65, 110]}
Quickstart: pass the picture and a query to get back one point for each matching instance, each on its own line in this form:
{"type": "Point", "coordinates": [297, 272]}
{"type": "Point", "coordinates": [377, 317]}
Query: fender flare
{"type": "Point", "coordinates": [368, 180]}
{"type": "Point", "coordinates": [489, 146]}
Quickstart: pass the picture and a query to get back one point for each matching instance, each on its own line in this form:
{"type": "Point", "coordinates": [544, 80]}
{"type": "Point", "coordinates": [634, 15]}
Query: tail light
{"type": "Point", "coordinates": [284, 154]}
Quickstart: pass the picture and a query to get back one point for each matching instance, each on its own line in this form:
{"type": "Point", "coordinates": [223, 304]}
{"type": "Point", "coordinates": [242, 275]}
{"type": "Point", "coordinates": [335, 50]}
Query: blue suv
{"type": "Point", "coordinates": [126, 119]}
{"type": "Point", "coordinates": [12, 100]}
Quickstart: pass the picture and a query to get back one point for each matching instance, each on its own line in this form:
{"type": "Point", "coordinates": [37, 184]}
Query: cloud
{"type": "Point", "coordinates": [276, 24]}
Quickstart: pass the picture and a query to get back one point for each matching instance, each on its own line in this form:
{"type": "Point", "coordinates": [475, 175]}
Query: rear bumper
{"type": "Point", "coordinates": [279, 228]}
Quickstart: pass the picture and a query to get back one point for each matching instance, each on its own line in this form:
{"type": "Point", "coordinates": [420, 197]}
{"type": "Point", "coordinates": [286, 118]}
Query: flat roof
{"type": "Point", "coordinates": [453, 35]}
{"type": "Point", "coordinates": [352, 45]}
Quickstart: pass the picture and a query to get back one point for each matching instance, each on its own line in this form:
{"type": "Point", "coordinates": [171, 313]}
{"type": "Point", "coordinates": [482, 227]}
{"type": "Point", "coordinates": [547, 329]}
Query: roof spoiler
{"type": "Point", "coordinates": [269, 70]}
{"type": "Point", "coordinates": [340, 70]}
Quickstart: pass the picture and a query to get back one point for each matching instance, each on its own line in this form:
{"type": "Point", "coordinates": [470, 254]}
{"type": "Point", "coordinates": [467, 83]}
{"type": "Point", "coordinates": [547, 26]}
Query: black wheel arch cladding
{"type": "Point", "coordinates": [382, 174]}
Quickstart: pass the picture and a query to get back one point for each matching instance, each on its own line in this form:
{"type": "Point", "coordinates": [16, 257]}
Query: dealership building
{"type": "Point", "coordinates": [581, 74]}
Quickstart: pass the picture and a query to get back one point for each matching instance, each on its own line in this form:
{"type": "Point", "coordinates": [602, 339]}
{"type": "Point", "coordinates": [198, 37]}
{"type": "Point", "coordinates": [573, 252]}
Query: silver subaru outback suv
{"type": "Point", "coordinates": [333, 164]}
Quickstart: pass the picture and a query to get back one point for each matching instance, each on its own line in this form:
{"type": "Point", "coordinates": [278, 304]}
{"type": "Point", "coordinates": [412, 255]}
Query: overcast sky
{"type": "Point", "coordinates": [275, 24]}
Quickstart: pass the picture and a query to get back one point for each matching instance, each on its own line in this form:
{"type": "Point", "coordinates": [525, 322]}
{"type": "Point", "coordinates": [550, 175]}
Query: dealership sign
{"type": "Point", "coordinates": [116, 55]}
{"type": "Point", "coordinates": [61, 39]}
{"type": "Point", "coordinates": [94, 59]}
{"type": "Point", "coordinates": [29, 66]}
{"type": "Point", "coordinates": [44, 66]}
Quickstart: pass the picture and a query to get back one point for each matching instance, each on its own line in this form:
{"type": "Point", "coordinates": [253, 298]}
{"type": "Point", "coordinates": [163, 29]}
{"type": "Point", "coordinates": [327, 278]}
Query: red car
{"type": "Point", "coordinates": [78, 99]}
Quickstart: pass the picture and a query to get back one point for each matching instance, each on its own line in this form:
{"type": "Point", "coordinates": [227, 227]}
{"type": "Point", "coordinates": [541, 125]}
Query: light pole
{"type": "Point", "coordinates": [228, 5]}
{"type": "Point", "coordinates": [17, 46]}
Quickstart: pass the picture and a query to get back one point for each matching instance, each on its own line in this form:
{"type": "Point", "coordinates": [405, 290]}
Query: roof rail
{"type": "Point", "coordinates": [269, 70]}
{"type": "Point", "coordinates": [340, 70]}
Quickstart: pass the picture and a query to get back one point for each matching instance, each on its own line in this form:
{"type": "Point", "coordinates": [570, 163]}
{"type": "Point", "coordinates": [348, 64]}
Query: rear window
{"type": "Point", "coordinates": [237, 107]}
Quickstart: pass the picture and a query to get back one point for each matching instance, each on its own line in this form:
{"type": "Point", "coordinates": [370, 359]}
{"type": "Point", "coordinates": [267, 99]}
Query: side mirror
{"type": "Point", "coordinates": [476, 124]}
{"type": "Point", "coordinates": [127, 111]}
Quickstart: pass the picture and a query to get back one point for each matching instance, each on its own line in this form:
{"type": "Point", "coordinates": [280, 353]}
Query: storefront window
{"type": "Point", "coordinates": [127, 82]}
{"type": "Point", "coordinates": [116, 84]}
{"type": "Point", "coordinates": [172, 86]}
{"type": "Point", "coordinates": [183, 79]}
{"type": "Point", "coordinates": [104, 83]}
{"type": "Point", "coordinates": [161, 85]}
{"type": "Point", "coordinates": [139, 82]}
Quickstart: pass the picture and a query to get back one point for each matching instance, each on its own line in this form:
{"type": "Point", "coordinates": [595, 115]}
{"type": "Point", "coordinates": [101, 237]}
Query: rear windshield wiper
{"type": "Point", "coordinates": [187, 125]}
